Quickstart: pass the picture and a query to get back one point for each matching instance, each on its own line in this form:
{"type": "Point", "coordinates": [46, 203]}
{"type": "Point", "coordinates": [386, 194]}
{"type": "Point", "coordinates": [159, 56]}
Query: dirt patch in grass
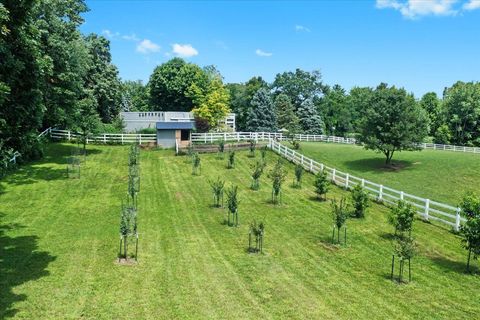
{"type": "Point", "coordinates": [125, 262]}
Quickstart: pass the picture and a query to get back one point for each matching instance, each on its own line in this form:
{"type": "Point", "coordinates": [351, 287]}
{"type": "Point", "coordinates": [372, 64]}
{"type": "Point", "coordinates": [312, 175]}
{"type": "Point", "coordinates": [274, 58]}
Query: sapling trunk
{"type": "Point", "coordinates": [468, 260]}
{"type": "Point", "coordinates": [393, 265]}
{"type": "Point", "coordinates": [409, 271]}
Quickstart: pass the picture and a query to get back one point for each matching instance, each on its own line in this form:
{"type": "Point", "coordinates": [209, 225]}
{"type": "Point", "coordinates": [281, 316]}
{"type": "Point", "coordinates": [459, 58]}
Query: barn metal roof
{"type": "Point", "coordinates": [174, 125]}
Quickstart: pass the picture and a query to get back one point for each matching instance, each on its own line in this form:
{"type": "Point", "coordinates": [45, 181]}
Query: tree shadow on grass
{"type": "Point", "coordinates": [449, 265]}
{"type": "Point", "coordinates": [377, 165]}
{"type": "Point", "coordinates": [20, 262]}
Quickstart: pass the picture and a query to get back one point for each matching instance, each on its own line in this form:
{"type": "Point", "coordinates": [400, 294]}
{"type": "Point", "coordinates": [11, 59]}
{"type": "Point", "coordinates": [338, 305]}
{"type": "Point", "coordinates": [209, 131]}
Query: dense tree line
{"type": "Point", "coordinates": [51, 74]}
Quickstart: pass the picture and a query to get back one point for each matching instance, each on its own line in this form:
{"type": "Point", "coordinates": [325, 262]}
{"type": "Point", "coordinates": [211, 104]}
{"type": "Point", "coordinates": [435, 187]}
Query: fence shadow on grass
{"type": "Point", "coordinates": [33, 173]}
{"type": "Point", "coordinates": [20, 262]}
{"type": "Point", "coordinates": [377, 165]}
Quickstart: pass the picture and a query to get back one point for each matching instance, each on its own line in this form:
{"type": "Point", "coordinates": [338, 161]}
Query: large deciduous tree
{"type": "Point", "coordinates": [214, 106]}
{"type": "Point", "coordinates": [286, 117]}
{"type": "Point", "coordinates": [135, 96]}
{"type": "Point", "coordinates": [470, 230]}
{"type": "Point", "coordinates": [433, 107]}
{"type": "Point", "coordinates": [359, 100]}
{"type": "Point", "coordinates": [393, 122]}
{"type": "Point", "coordinates": [262, 116]}
{"type": "Point", "coordinates": [462, 107]}
{"type": "Point", "coordinates": [176, 85]}
{"type": "Point", "coordinates": [334, 107]}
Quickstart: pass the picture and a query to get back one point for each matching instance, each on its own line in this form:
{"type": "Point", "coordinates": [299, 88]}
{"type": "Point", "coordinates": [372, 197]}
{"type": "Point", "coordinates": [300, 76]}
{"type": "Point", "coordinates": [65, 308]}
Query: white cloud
{"type": "Point", "coordinates": [300, 28]}
{"type": "Point", "coordinates": [184, 50]}
{"type": "Point", "coordinates": [146, 46]}
{"type": "Point", "coordinates": [262, 53]}
{"type": "Point", "coordinates": [130, 37]}
{"type": "Point", "coordinates": [472, 5]}
{"type": "Point", "coordinates": [109, 34]}
{"type": "Point", "coordinates": [415, 8]}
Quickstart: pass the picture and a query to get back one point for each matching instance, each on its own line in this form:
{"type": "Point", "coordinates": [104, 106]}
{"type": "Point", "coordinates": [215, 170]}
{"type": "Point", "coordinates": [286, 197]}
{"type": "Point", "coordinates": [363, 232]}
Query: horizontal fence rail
{"type": "Point", "coordinates": [120, 138]}
{"type": "Point", "coordinates": [428, 209]}
{"type": "Point", "coordinates": [211, 137]}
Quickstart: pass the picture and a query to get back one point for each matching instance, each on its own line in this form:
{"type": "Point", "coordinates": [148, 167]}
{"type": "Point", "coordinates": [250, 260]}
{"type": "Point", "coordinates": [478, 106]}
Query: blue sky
{"type": "Point", "coordinates": [422, 45]}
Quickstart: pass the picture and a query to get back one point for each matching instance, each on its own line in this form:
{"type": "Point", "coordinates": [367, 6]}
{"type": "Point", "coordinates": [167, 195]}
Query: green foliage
{"type": "Point", "coordinates": [321, 184]}
{"type": "Point", "coordinates": [135, 96]}
{"type": "Point", "coordinates": [360, 201]}
{"type": "Point", "coordinates": [262, 115]}
{"type": "Point", "coordinates": [340, 212]}
{"type": "Point", "coordinates": [257, 231]}
{"type": "Point", "coordinates": [401, 218]}
{"type": "Point", "coordinates": [336, 111]}
{"type": "Point", "coordinates": [252, 147]}
{"type": "Point", "coordinates": [263, 153]}
{"type": "Point", "coordinates": [393, 122]}
{"type": "Point", "coordinates": [286, 117]}
{"type": "Point", "coordinates": [462, 107]}
{"type": "Point", "coordinates": [217, 190]}
{"type": "Point", "coordinates": [310, 120]}
{"type": "Point", "coordinates": [231, 160]}
{"type": "Point", "coordinates": [232, 204]}
{"type": "Point", "coordinates": [298, 175]}
{"type": "Point", "coordinates": [295, 144]}
{"type": "Point", "coordinates": [257, 168]}
{"type": "Point", "coordinates": [196, 164]}
{"type": "Point", "coordinates": [221, 146]}
{"type": "Point", "coordinates": [359, 101]}
{"type": "Point", "coordinates": [177, 85]}
{"type": "Point", "coordinates": [214, 105]}
{"type": "Point", "coordinates": [277, 175]}
{"type": "Point", "coordinates": [470, 230]}
{"type": "Point", "coordinates": [433, 107]}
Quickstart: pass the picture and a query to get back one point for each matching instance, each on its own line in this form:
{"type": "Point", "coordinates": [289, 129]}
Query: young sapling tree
{"type": "Point", "coordinates": [256, 232]}
{"type": "Point", "coordinates": [252, 147]}
{"type": "Point", "coordinates": [340, 216]}
{"type": "Point", "coordinates": [231, 160]}
{"type": "Point", "coordinates": [470, 230]}
{"type": "Point", "coordinates": [221, 149]}
{"type": "Point", "coordinates": [232, 205]}
{"type": "Point", "coordinates": [263, 153]}
{"type": "Point", "coordinates": [401, 218]}
{"type": "Point", "coordinates": [277, 175]}
{"type": "Point", "coordinates": [360, 201]}
{"type": "Point", "coordinates": [258, 168]}
{"type": "Point", "coordinates": [405, 247]}
{"type": "Point", "coordinates": [196, 164]}
{"type": "Point", "coordinates": [297, 183]}
{"type": "Point", "coordinates": [217, 190]}
{"type": "Point", "coordinates": [321, 184]}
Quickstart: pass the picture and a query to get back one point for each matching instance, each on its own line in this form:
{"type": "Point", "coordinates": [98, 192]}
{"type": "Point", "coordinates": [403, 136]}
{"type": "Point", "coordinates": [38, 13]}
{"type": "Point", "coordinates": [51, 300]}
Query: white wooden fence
{"type": "Point", "coordinates": [120, 138]}
{"type": "Point", "coordinates": [428, 209]}
{"type": "Point", "coordinates": [265, 136]}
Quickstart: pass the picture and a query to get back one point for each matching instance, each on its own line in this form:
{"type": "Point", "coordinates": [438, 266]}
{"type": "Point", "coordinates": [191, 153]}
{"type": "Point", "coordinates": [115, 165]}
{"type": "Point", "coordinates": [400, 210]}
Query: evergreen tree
{"type": "Point", "coordinates": [310, 120]}
{"type": "Point", "coordinates": [286, 117]}
{"type": "Point", "coordinates": [262, 116]}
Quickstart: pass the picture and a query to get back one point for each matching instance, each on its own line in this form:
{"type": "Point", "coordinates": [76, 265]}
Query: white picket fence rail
{"type": "Point", "coordinates": [121, 138]}
{"type": "Point", "coordinates": [428, 209]}
{"type": "Point", "coordinates": [211, 137]}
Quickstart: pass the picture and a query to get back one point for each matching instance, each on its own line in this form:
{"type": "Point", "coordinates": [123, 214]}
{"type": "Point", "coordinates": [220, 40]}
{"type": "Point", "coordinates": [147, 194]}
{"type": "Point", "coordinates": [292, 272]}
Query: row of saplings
{"type": "Point", "coordinates": [128, 218]}
{"type": "Point", "coordinates": [401, 216]}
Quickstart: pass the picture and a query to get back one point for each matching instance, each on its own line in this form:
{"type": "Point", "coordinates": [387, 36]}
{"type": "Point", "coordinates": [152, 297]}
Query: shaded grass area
{"type": "Point", "coordinates": [59, 237]}
{"type": "Point", "coordinates": [439, 175]}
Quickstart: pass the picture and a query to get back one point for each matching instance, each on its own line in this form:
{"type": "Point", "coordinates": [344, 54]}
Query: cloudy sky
{"type": "Point", "coordinates": [422, 45]}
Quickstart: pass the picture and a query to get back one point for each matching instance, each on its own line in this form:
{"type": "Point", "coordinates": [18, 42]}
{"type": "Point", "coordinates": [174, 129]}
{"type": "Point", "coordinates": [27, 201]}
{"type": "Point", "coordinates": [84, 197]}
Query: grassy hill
{"type": "Point", "coordinates": [59, 241]}
{"type": "Point", "coordinates": [442, 176]}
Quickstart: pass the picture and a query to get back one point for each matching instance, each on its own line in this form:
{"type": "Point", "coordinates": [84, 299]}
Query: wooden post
{"type": "Point", "coordinates": [311, 165]}
{"type": "Point", "coordinates": [427, 208]}
{"type": "Point", "coordinates": [122, 138]}
{"type": "Point", "coordinates": [347, 178]}
{"type": "Point", "coordinates": [380, 193]}
{"type": "Point", "coordinates": [105, 138]}
{"type": "Point", "coordinates": [69, 137]}
{"type": "Point", "coordinates": [363, 183]}
{"type": "Point", "coordinates": [401, 195]}
{"type": "Point", "coordinates": [333, 175]}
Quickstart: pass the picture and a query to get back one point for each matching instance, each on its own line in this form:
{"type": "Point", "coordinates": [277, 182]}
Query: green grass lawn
{"type": "Point", "coordinates": [59, 241]}
{"type": "Point", "coordinates": [442, 176]}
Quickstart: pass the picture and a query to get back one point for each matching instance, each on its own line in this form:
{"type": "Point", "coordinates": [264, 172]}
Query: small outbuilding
{"type": "Point", "coordinates": [170, 132]}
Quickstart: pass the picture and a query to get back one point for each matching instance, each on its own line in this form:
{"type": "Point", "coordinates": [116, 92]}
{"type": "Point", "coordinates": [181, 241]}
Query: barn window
{"type": "Point", "coordinates": [185, 135]}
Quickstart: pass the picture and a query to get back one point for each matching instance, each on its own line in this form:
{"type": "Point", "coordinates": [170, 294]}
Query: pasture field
{"type": "Point", "coordinates": [59, 238]}
{"type": "Point", "coordinates": [442, 176]}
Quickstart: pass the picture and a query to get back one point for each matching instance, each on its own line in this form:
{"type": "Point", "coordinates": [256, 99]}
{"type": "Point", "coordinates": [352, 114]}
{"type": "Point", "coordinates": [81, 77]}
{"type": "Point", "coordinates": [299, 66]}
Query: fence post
{"type": "Point", "coordinates": [347, 178]}
{"type": "Point", "coordinates": [301, 160]}
{"type": "Point", "coordinates": [427, 207]}
{"type": "Point", "coordinates": [104, 138]}
{"type": "Point", "coordinates": [140, 139]}
{"type": "Point", "coordinates": [238, 136]}
{"type": "Point", "coordinates": [321, 166]}
{"type": "Point", "coordinates": [122, 138]}
{"type": "Point", "coordinates": [401, 195]}
{"type": "Point", "coordinates": [205, 137]}
{"type": "Point", "coordinates": [211, 138]}
{"type": "Point", "coordinates": [311, 165]}
{"type": "Point", "coordinates": [333, 175]}
{"type": "Point", "coordinates": [69, 137]}
{"type": "Point", "coordinates": [457, 219]}
{"type": "Point", "coordinates": [363, 183]}
{"type": "Point", "coordinates": [380, 193]}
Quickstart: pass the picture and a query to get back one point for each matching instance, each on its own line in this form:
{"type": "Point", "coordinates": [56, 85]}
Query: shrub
{"type": "Point", "coordinates": [360, 201]}
{"type": "Point", "coordinates": [147, 131]}
{"type": "Point", "coordinates": [217, 190]}
{"type": "Point", "coordinates": [263, 153]}
{"type": "Point", "coordinates": [277, 175]}
{"type": "Point", "coordinates": [231, 160]}
{"type": "Point", "coordinates": [340, 216]}
{"type": "Point", "coordinates": [258, 168]}
{"type": "Point", "coordinates": [298, 176]}
{"type": "Point", "coordinates": [221, 148]}
{"type": "Point", "coordinates": [321, 184]}
{"type": "Point", "coordinates": [470, 230]}
{"type": "Point", "coordinates": [295, 144]}
{"type": "Point", "coordinates": [232, 205]}
{"type": "Point", "coordinates": [405, 248]}
{"type": "Point", "coordinates": [401, 218]}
